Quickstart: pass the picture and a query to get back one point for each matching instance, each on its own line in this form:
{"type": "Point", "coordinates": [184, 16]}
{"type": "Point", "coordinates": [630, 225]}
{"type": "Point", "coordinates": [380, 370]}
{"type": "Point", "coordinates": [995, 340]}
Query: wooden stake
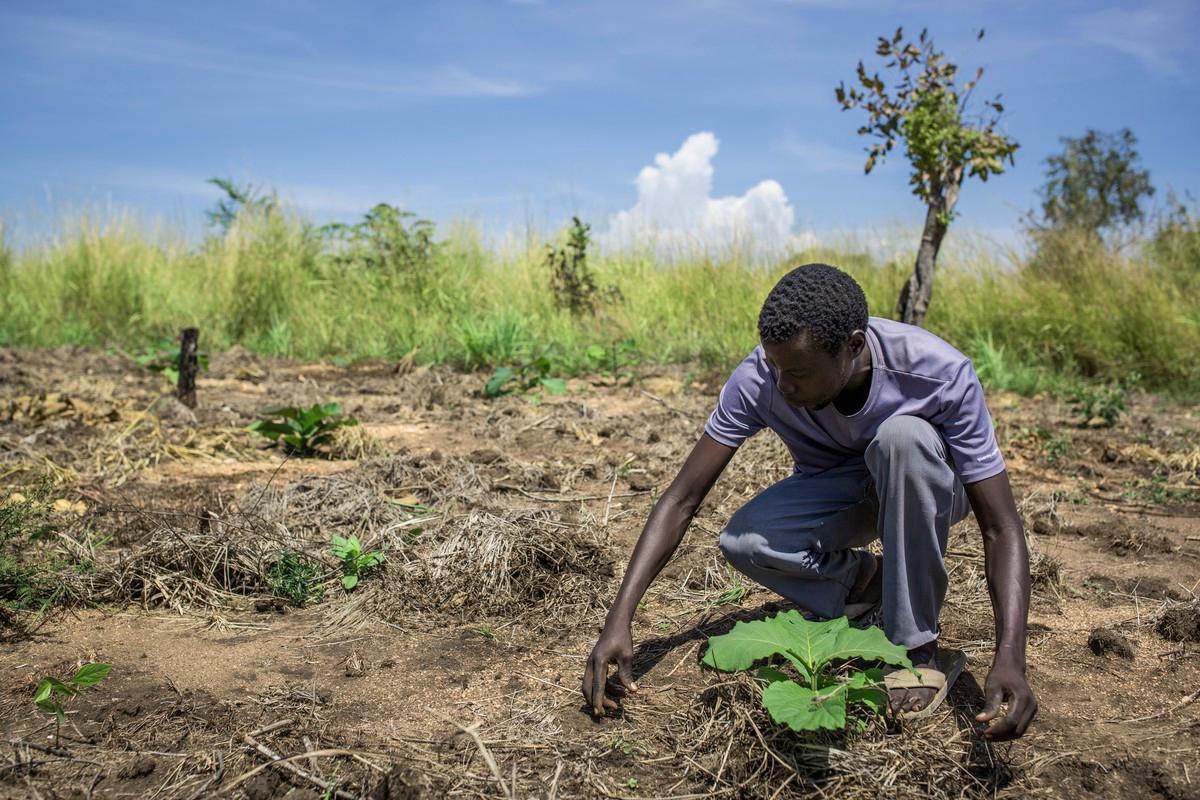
{"type": "Point", "coordinates": [189, 365]}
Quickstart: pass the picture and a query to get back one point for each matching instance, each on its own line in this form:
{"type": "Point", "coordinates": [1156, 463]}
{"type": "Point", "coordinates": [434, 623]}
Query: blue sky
{"type": "Point", "coordinates": [513, 113]}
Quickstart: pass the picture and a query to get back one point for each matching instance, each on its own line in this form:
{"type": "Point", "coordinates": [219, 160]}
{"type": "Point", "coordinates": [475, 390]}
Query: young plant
{"type": "Point", "coordinates": [819, 700]}
{"type": "Point", "coordinates": [525, 377]}
{"type": "Point", "coordinates": [301, 430]}
{"type": "Point", "coordinates": [1106, 403]}
{"type": "Point", "coordinates": [294, 577]}
{"type": "Point", "coordinates": [47, 691]}
{"type": "Point", "coordinates": [614, 361]}
{"type": "Point", "coordinates": [354, 560]}
{"type": "Point", "coordinates": [571, 278]}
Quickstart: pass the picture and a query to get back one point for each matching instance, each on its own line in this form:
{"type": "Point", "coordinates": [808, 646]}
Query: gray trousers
{"type": "Point", "coordinates": [798, 536]}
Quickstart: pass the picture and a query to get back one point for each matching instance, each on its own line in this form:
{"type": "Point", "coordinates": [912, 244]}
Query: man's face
{"type": "Point", "coordinates": [806, 375]}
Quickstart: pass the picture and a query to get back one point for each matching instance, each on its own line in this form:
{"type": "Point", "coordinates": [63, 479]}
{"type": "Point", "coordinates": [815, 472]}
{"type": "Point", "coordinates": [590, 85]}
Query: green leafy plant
{"type": "Point", "coordinates": [388, 240]}
{"type": "Point", "coordinates": [163, 357]}
{"type": "Point", "coordinates": [294, 577]}
{"type": "Point", "coordinates": [355, 561]}
{"type": "Point", "coordinates": [301, 430]}
{"type": "Point", "coordinates": [820, 698]}
{"type": "Point", "coordinates": [50, 689]}
{"type": "Point", "coordinates": [571, 277]}
{"type": "Point", "coordinates": [525, 377]}
{"type": "Point", "coordinates": [615, 360]}
{"type": "Point", "coordinates": [1055, 446]}
{"type": "Point", "coordinates": [1105, 403]}
{"type": "Point", "coordinates": [30, 565]}
{"type": "Point", "coordinates": [238, 200]}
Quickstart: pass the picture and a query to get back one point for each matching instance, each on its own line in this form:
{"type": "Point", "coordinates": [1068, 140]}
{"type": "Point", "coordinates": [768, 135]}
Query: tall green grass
{"type": "Point", "coordinates": [1072, 311]}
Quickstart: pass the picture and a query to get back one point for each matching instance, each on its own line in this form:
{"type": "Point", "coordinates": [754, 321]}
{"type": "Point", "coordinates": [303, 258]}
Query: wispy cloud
{"type": "Point", "coordinates": [817, 157]}
{"type": "Point", "coordinates": [119, 43]}
{"type": "Point", "coordinates": [306, 197]}
{"type": "Point", "coordinates": [1156, 36]}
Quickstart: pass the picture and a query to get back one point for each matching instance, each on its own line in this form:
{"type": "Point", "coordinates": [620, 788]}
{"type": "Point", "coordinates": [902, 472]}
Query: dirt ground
{"type": "Point", "coordinates": [454, 668]}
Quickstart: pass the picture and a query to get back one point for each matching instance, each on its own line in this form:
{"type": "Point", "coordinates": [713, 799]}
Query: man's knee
{"type": "Point", "coordinates": [737, 547]}
{"type": "Point", "coordinates": [905, 436]}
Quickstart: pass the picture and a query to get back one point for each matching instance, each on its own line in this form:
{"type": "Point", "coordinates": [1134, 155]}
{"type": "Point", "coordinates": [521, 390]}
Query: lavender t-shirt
{"type": "Point", "coordinates": [913, 372]}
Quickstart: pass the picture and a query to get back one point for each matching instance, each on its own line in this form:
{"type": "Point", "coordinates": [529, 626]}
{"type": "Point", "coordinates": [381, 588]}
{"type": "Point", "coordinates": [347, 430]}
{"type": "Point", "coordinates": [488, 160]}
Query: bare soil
{"type": "Point", "coordinates": [454, 669]}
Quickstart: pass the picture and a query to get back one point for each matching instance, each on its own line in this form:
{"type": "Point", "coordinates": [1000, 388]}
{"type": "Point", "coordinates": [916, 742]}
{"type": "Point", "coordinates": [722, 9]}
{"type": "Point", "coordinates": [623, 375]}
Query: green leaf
{"type": "Point", "coordinates": [867, 643]}
{"type": "Point", "coordinates": [554, 386]}
{"type": "Point", "coordinates": [349, 581]}
{"type": "Point", "coordinates": [90, 674]}
{"type": "Point", "coordinates": [49, 706]}
{"type": "Point", "coordinates": [495, 386]}
{"type": "Point", "coordinates": [43, 691]}
{"type": "Point", "coordinates": [801, 641]}
{"type": "Point", "coordinates": [771, 675]}
{"type": "Point", "coordinates": [343, 548]}
{"type": "Point", "coordinates": [268, 428]}
{"type": "Point", "coordinates": [866, 687]}
{"type": "Point", "coordinates": [59, 687]}
{"type": "Point", "coordinates": [802, 709]}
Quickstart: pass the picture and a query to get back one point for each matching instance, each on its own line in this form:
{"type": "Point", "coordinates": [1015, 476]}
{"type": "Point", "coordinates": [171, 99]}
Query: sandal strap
{"type": "Point", "coordinates": [929, 678]}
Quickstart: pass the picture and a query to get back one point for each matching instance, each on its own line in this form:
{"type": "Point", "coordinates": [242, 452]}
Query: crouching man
{"type": "Point", "coordinates": [891, 438]}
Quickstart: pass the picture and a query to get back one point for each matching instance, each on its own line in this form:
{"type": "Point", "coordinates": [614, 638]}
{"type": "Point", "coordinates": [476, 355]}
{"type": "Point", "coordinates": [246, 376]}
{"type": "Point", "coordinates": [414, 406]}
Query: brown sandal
{"type": "Point", "coordinates": [950, 665]}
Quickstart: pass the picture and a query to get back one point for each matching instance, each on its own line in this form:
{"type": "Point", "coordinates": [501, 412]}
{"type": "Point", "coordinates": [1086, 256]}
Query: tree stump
{"type": "Point", "coordinates": [189, 366]}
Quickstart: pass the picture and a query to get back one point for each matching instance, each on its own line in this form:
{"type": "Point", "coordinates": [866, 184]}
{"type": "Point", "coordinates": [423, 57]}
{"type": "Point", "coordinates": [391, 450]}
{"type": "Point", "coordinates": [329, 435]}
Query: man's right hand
{"type": "Point", "coordinates": [615, 646]}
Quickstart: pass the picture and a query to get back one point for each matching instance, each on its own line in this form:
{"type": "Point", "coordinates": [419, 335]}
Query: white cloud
{"type": "Point", "coordinates": [675, 217]}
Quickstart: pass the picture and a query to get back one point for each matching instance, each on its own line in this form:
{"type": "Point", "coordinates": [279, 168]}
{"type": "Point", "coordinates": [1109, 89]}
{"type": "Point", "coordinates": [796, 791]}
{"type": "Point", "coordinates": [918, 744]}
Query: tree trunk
{"type": "Point", "coordinates": [918, 289]}
{"type": "Point", "coordinates": [189, 365]}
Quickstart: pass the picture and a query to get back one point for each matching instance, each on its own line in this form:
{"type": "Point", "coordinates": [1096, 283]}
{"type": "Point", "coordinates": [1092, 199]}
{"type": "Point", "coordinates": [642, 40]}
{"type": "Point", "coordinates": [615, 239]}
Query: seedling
{"type": "Point", "coordinates": [486, 631]}
{"type": "Point", "coordinates": [294, 577]}
{"type": "Point", "coordinates": [1106, 403]}
{"type": "Point", "coordinates": [525, 377]}
{"type": "Point", "coordinates": [45, 696]}
{"type": "Point", "coordinates": [614, 361]}
{"type": "Point", "coordinates": [820, 699]}
{"type": "Point", "coordinates": [301, 430]}
{"type": "Point", "coordinates": [354, 560]}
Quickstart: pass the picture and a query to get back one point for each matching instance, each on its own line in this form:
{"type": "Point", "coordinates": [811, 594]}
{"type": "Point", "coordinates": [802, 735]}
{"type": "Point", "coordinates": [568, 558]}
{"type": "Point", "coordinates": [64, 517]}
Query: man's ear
{"type": "Point", "coordinates": [856, 342]}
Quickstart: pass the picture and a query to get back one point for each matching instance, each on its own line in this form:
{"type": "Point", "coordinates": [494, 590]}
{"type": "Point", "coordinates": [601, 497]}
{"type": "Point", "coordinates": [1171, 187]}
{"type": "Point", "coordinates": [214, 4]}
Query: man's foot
{"type": "Point", "coordinates": [916, 698]}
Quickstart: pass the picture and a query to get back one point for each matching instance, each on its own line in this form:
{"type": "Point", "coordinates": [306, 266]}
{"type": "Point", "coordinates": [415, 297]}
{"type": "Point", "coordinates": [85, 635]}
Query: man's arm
{"type": "Point", "coordinates": [663, 532]}
{"type": "Point", "coordinates": [1006, 563]}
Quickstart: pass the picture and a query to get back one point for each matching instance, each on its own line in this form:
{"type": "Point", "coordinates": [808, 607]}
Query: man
{"type": "Point", "coordinates": [890, 436]}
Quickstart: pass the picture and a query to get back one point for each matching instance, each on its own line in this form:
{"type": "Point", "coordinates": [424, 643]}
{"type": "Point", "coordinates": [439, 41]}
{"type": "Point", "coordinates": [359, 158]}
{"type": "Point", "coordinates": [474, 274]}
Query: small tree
{"type": "Point", "coordinates": [237, 200]}
{"type": "Point", "coordinates": [388, 240]}
{"type": "Point", "coordinates": [571, 278]}
{"type": "Point", "coordinates": [1094, 185]}
{"type": "Point", "coordinates": [927, 110]}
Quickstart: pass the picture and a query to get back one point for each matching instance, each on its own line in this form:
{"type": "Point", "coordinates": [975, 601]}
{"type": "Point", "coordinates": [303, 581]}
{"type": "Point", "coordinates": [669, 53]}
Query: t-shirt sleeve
{"type": "Point", "coordinates": [967, 428]}
{"type": "Point", "coordinates": [737, 416]}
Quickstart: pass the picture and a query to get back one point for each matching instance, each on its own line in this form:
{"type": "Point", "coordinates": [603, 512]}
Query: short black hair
{"type": "Point", "coordinates": [816, 299]}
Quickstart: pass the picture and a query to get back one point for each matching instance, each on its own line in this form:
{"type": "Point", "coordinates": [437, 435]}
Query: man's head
{"type": "Point", "coordinates": [813, 327]}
